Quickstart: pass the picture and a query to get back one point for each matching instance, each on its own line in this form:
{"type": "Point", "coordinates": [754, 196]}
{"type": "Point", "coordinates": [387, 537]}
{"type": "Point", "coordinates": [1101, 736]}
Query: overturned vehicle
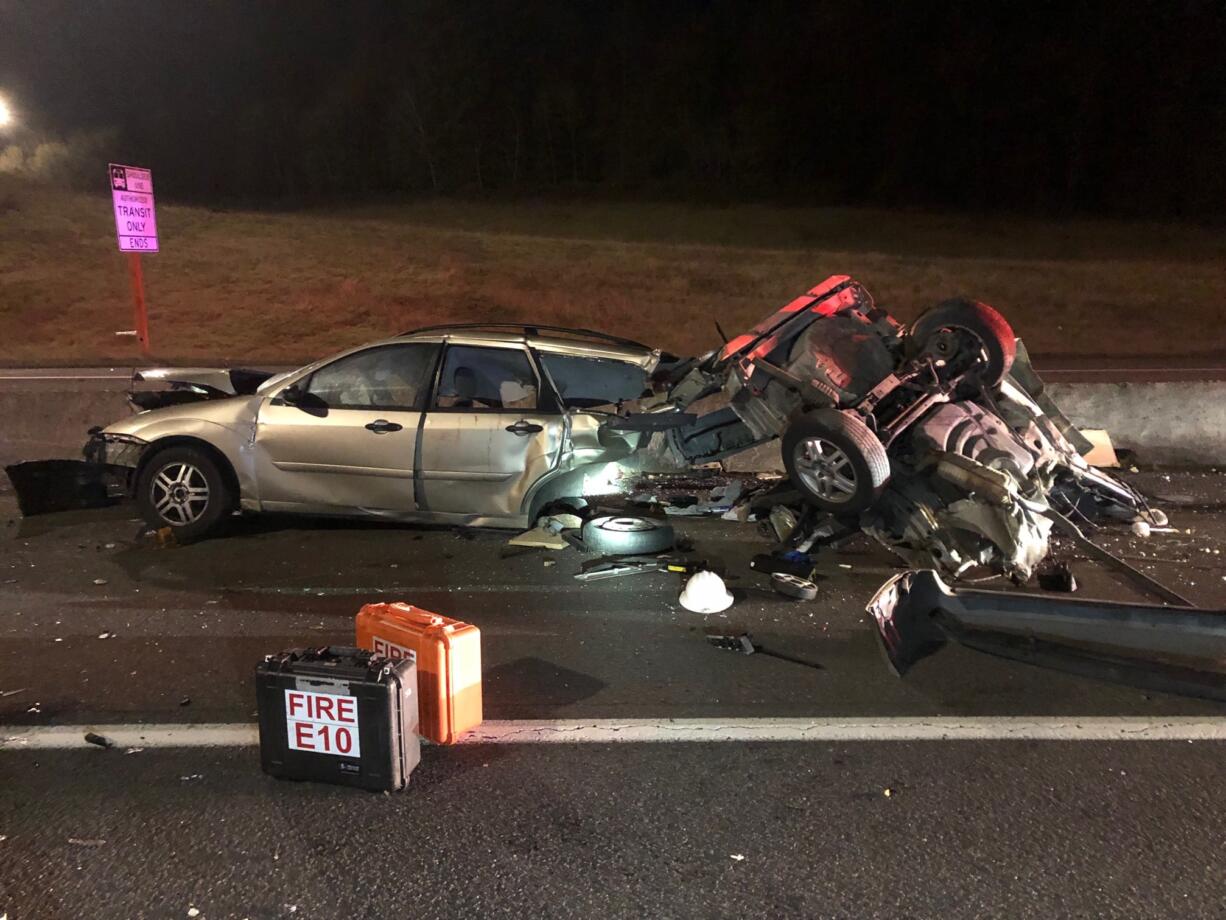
{"type": "Point", "coordinates": [936, 438]}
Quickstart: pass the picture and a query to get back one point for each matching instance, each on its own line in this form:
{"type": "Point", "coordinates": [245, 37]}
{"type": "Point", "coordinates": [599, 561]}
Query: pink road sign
{"type": "Point", "coordinates": [132, 197]}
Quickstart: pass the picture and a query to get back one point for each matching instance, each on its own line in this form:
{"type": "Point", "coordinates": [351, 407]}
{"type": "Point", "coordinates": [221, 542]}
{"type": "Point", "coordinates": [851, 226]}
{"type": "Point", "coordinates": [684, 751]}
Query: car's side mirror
{"type": "Point", "coordinates": [294, 395]}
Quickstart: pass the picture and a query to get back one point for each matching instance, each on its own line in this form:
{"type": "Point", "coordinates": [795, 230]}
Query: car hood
{"type": "Point", "coordinates": [227, 381]}
{"type": "Point", "coordinates": [228, 412]}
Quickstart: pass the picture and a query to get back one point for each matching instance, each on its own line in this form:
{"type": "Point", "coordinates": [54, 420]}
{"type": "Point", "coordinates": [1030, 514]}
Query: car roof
{"type": "Point", "coordinates": [555, 339]}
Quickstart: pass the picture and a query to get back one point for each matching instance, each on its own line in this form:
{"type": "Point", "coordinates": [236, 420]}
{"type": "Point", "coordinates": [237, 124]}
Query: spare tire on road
{"type": "Point", "coordinates": [613, 535]}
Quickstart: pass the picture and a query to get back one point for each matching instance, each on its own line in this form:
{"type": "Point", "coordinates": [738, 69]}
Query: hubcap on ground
{"type": "Point", "coordinates": [627, 525]}
{"type": "Point", "coordinates": [180, 493]}
{"type": "Point", "coordinates": [825, 469]}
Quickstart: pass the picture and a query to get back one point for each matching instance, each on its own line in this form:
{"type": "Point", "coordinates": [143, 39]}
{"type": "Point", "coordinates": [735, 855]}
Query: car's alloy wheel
{"type": "Point", "coordinates": [182, 487]}
{"type": "Point", "coordinates": [180, 494]}
{"type": "Point", "coordinates": [825, 469]}
{"type": "Point", "coordinates": [835, 461]}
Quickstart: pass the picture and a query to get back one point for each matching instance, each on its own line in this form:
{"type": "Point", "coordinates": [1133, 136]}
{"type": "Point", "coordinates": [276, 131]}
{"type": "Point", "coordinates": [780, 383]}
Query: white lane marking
{"type": "Point", "coordinates": [602, 731]}
{"type": "Point", "coordinates": [4, 377]}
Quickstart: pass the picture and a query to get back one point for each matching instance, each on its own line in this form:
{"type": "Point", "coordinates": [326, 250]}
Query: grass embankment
{"type": "Point", "coordinates": [236, 286]}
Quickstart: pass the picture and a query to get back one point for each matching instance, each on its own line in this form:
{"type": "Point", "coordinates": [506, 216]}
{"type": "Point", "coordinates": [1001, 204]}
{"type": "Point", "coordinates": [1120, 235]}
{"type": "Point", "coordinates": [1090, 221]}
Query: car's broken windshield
{"type": "Point", "coordinates": [586, 382]}
{"type": "Point", "coordinates": [387, 377]}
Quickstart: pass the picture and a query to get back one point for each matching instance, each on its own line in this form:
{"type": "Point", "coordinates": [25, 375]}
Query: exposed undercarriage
{"type": "Point", "coordinates": [934, 438]}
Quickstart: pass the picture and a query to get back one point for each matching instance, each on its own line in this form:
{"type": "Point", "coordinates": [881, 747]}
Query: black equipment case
{"type": "Point", "coordinates": [338, 715]}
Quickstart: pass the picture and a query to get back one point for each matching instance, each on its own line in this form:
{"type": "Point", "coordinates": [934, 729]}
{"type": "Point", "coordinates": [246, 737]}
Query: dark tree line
{"type": "Point", "coordinates": [1039, 106]}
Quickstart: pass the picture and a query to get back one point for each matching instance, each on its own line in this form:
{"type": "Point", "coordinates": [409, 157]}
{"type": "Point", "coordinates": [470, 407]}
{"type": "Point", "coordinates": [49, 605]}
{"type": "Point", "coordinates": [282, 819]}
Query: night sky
{"type": "Point", "coordinates": [1053, 108]}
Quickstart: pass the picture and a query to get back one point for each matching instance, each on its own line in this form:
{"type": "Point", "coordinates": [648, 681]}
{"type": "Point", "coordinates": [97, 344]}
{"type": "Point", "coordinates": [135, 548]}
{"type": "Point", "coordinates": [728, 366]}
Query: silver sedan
{"type": "Point", "coordinates": [464, 425]}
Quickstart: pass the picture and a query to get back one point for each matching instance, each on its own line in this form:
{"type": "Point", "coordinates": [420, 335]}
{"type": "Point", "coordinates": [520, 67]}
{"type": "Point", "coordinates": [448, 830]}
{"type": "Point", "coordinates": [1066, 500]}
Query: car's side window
{"type": "Point", "coordinates": [486, 378]}
{"type": "Point", "coordinates": [393, 377]}
{"type": "Point", "coordinates": [586, 382]}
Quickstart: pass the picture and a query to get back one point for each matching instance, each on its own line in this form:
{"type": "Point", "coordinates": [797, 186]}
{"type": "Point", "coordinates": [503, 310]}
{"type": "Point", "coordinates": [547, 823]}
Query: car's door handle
{"type": "Point", "coordinates": [382, 425]}
{"type": "Point", "coordinates": [523, 426]}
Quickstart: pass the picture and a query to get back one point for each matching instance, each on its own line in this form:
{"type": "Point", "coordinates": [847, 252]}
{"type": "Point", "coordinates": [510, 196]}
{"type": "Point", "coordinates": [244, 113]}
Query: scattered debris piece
{"type": "Point", "coordinates": [887, 792]}
{"type": "Point", "coordinates": [548, 563]}
{"type": "Point", "coordinates": [1141, 528]}
{"type": "Point", "coordinates": [738, 857]}
{"type": "Point", "coordinates": [86, 841]}
{"type": "Point", "coordinates": [191, 777]}
{"type": "Point", "coordinates": [1057, 577]}
{"type": "Point", "coordinates": [193, 912]}
{"type": "Point", "coordinates": [1102, 451]}
{"type": "Point", "coordinates": [615, 568]}
{"type": "Point", "coordinates": [4, 693]}
{"type": "Point", "coordinates": [791, 563]}
{"type": "Point", "coordinates": [705, 592]}
{"type": "Point", "coordinates": [539, 536]}
{"type": "Point", "coordinates": [106, 634]}
{"type": "Point", "coordinates": [134, 750]}
{"type": "Point", "coordinates": [186, 701]}
{"type": "Point", "coordinates": [800, 589]}
{"type": "Point", "coordinates": [100, 581]}
{"type": "Point", "coordinates": [783, 523]}
{"type": "Point", "coordinates": [736, 639]}
{"type": "Point", "coordinates": [101, 740]}
{"type": "Point", "coordinates": [560, 521]}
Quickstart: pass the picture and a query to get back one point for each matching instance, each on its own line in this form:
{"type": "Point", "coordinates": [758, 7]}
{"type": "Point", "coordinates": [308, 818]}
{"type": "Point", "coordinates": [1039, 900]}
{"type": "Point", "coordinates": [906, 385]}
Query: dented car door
{"type": "Point", "coordinates": [344, 437]}
{"type": "Point", "coordinates": [490, 435]}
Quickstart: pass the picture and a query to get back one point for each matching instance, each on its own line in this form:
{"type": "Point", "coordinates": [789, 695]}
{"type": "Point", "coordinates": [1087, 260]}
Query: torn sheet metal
{"type": "Point", "coordinates": [1172, 649]}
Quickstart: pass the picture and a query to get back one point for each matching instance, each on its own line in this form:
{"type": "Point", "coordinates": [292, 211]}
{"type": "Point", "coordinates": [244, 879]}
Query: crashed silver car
{"type": "Point", "coordinates": [477, 425]}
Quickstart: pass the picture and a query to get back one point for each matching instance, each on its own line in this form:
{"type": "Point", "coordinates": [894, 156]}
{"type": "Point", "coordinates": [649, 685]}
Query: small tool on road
{"type": "Point", "coordinates": [735, 639]}
{"type": "Point", "coordinates": [617, 566]}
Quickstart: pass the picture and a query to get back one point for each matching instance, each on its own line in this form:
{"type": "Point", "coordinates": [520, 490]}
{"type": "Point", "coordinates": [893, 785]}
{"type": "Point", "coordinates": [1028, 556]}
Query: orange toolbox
{"type": "Point", "coordinates": [448, 663]}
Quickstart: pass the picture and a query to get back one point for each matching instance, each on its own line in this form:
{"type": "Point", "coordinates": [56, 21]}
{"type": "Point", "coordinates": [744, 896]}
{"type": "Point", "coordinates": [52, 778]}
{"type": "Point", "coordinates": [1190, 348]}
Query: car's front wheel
{"type": "Point", "coordinates": [183, 489]}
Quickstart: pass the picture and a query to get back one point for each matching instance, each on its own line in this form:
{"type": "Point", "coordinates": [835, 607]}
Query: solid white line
{"type": "Point", "coordinates": [4, 377]}
{"type": "Point", "coordinates": [603, 731]}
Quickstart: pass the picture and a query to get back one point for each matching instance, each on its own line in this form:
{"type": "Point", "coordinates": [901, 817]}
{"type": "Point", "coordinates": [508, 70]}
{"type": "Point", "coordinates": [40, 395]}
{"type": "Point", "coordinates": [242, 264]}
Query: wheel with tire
{"type": "Point", "coordinates": [627, 536]}
{"type": "Point", "coordinates": [835, 461]}
{"type": "Point", "coordinates": [182, 488]}
{"type": "Point", "coordinates": [969, 337]}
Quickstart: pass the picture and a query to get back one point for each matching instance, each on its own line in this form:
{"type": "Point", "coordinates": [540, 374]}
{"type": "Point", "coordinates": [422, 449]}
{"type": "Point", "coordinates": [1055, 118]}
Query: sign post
{"type": "Point", "coordinates": [137, 230]}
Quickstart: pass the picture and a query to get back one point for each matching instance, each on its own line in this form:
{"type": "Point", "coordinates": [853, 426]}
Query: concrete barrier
{"type": "Point", "coordinates": [46, 423]}
{"type": "Point", "coordinates": [1178, 423]}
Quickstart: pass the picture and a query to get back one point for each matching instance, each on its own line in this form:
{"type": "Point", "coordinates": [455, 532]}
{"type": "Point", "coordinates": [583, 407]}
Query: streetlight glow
{"type": "Point", "coordinates": [6, 114]}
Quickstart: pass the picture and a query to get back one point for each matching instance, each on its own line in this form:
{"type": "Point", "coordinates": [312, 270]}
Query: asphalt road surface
{"type": "Point", "coordinates": [99, 624]}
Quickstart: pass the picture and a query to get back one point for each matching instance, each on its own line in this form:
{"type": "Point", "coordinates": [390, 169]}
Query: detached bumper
{"type": "Point", "coordinates": [43, 486]}
{"type": "Point", "coordinates": [1172, 649]}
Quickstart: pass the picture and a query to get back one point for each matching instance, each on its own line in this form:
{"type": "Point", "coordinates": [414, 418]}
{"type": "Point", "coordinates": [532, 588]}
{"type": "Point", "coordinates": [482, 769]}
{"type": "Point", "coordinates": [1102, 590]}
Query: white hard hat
{"type": "Point", "coordinates": [705, 593]}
